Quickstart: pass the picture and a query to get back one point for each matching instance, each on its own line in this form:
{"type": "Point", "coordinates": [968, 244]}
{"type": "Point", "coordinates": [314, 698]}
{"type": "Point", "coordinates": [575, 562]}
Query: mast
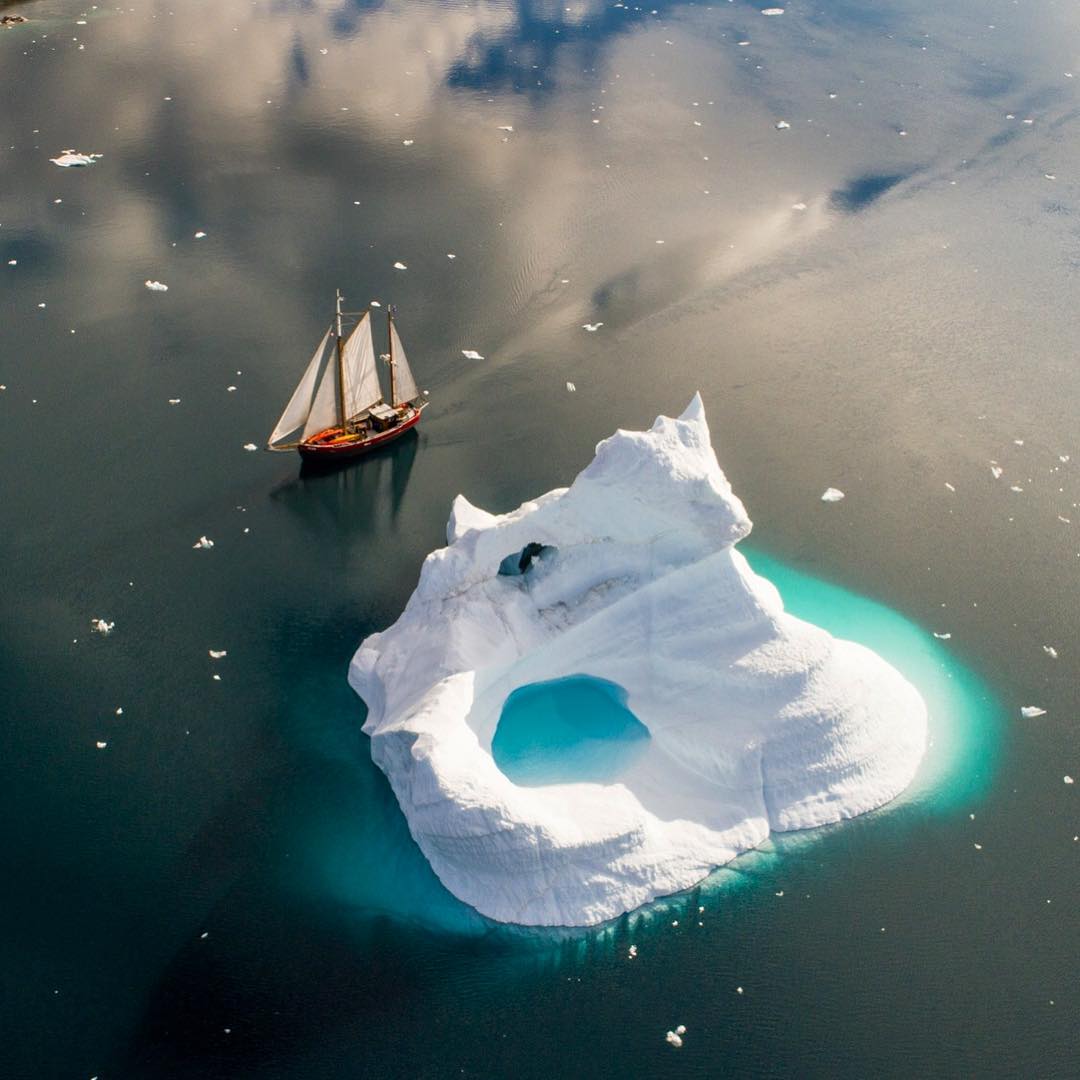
{"type": "Point", "coordinates": [340, 363]}
{"type": "Point", "coordinates": [390, 350]}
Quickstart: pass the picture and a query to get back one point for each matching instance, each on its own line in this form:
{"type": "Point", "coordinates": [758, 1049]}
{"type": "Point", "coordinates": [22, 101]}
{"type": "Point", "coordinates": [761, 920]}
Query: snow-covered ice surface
{"type": "Point", "coordinates": [758, 721]}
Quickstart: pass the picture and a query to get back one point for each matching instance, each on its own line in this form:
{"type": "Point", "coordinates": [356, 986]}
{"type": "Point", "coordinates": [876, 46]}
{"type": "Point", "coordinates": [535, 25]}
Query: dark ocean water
{"type": "Point", "coordinates": [879, 297]}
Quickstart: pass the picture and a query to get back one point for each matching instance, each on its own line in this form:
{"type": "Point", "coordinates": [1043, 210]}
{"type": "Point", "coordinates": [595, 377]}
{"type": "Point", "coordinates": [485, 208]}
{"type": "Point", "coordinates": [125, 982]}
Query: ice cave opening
{"type": "Point", "coordinates": [569, 730]}
{"type": "Point", "coordinates": [521, 562]}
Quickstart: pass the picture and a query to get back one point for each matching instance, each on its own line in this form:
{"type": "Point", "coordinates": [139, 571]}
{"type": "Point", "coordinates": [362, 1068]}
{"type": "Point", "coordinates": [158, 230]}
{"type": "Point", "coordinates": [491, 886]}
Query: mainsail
{"type": "Point", "coordinates": [362, 388]}
{"type": "Point", "coordinates": [307, 407]}
{"type": "Point", "coordinates": [404, 383]}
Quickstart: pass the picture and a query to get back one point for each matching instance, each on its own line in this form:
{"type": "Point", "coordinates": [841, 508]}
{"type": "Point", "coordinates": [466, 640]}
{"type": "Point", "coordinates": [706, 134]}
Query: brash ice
{"type": "Point", "coordinates": [757, 721]}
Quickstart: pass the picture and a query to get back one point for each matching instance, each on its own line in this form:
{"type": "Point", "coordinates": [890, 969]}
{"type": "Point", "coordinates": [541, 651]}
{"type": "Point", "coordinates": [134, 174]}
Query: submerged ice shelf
{"type": "Point", "coordinates": [752, 721]}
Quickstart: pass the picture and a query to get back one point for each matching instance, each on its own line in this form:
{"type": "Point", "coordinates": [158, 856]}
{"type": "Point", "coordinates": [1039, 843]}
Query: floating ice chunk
{"type": "Point", "coordinates": [1029, 712]}
{"type": "Point", "coordinates": [204, 543]}
{"type": "Point", "coordinates": [832, 495]}
{"type": "Point", "coordinates": [400, 266]}
{"type": "Point", "coordinates": [942, 637]}
{"type": "Point", "coordinates": [673, 1039]}
{"type": "Point", "coordinates": [782, 124]}
{"type": "Point", "coordinates": [199, 235]}
{"type": "Point", "coordinates": [73, 159]}
{"type": "Point", "coordinates": [407, 142]}
{"type": "Point", "coordinates": [1050, 651]}
{"type": "Point", "coordinates": [156, 286]}
{"type": "Point", "coordinates": [101, 744]}
{"type": "Point", "coordinates": [571, 387]}
{"type": "Point", "coordinates": [680, 1030]}
{"type": "Point", "coordinates": [250, 446]}
{"type": "Point", "coordinates": [217, 654]}
{"type": "Point", "coordinates": [100, 626]}
{"type": "Point", "coordinates": [592, 327]}
{"type": "Point", "coordinates": [1067, 779]}
{"type": "Point", "coordinates": [471, 354]}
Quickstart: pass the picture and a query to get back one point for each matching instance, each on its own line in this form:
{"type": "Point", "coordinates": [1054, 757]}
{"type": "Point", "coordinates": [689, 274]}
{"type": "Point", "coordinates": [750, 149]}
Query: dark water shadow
{"type": "Point", "coordinates": [863, 191]}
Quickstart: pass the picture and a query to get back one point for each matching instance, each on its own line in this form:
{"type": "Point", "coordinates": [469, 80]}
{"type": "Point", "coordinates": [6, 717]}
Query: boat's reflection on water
{"type": "Point", "coordinates": [351, 495]}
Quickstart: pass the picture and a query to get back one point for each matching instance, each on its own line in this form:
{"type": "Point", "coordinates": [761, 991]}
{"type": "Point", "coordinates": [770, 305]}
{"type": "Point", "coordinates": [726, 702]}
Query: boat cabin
{"type": "Point", "coordinates": [382, 416]}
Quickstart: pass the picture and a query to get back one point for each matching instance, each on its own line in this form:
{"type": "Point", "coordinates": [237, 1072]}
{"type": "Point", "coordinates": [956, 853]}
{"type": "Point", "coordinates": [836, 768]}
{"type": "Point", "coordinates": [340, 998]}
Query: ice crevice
{"type": "Point", "coordinates": [757, 721]}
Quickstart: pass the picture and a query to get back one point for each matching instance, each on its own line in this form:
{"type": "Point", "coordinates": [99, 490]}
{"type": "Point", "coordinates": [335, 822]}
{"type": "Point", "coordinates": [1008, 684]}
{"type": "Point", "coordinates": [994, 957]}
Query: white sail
{"type": "Point", "coordinates": [299, 409]}
{"type": "Point", "coordinates": [324, 407]}
{"type": "Point", "coordinates": [404, 383]}
{"type": "Point", "coordinates": [362, 388]}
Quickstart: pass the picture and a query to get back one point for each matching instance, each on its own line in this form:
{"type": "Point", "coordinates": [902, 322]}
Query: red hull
{"type": "Point", "coordinates": [329, 445]}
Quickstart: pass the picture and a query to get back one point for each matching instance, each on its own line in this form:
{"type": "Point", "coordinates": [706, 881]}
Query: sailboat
{"type": "Point", "coordinates": [338, 410]}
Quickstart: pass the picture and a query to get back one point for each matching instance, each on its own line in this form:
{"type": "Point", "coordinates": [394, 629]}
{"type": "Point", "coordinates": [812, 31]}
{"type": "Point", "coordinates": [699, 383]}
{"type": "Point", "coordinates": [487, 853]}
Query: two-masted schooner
{"type": "Point", "coordinates": [338, 410]}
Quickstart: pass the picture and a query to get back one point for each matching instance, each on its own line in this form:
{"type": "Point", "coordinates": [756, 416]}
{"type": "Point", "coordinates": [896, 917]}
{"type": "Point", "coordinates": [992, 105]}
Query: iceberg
{"type": "Point", "coordinates": [755, 721]}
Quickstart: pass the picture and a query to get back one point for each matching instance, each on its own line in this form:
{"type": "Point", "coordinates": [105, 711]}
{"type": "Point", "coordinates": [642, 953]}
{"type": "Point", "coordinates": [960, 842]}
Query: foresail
{"type": "Point", "coordinates": [324, 407]}
{"type": "Point", "coordinates": [362, 388]}
{"type": "Point", "coordinates": [299, 408]}
{"type": "Point", "coordinates": [404, 383]}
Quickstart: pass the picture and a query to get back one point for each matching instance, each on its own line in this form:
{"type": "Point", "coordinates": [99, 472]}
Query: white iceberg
{"type": "Point", "coordinates": [756, 721]}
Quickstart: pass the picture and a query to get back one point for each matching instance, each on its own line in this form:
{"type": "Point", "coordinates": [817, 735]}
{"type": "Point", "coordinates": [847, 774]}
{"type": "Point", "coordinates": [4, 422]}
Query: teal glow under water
{"type": "Point", "coordinates": [567, 730]}
{"type": "Point", "coordinates": [379, 870]}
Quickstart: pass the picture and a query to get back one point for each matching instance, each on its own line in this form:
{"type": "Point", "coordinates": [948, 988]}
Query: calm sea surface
{"type": "Point", "coordinates": [880, 296]}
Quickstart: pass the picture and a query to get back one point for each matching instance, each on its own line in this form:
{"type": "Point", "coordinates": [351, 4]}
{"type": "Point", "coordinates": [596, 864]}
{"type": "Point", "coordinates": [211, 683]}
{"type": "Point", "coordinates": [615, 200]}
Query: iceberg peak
{"type": "Point", "coordinates": [746, 720]}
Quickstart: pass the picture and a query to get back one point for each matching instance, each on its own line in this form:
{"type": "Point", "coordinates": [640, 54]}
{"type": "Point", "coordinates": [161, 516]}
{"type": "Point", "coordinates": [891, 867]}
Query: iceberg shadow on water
{"type": "Point", "coordinates": [569, 730]}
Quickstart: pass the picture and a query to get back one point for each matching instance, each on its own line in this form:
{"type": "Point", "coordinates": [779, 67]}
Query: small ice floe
{"type": "Point", "coordinates": [1050, 651]}
{"type": "Point", "coordinates": [772, 11]}
{"type": "Point", "coordinates": [101, 744]}
{"type": "Point", "coordinates": [216, 678]}
{"type": "Point", "coordinates": [204, 543]}
{"type": "Point", "coordinates": [675, 1037]}
{"type": "Point", "coordinates": [592, 327]}
{"type": "Point", "coordinates": [407, 142]}
{"type": "Point", "coordinates": [73, 159]}
{"type": "Point", "coordinates": [942, 637]}
{"type": "Point", "coordinates": [471, 354]}
{"type": "Point", "coordinates": [174, 401]}
{"type": "Point", "coordinates": [217, 654]}
{"type": "Point", "coordinates": [571, 388]}
{"type": "Point", "coordinates": [996, 471]}
{"type": "Point", "coordinates": [249, 446]}
{"type": "Point", "coordinates": [738, 989]}
{"type": "Point", "coordinates": [400, 266]}
{"type": "Point", "coordinates": [100, 626]}
{"type": "Point", "coordinates": [832, 495]}
{"type": "Point", "coordinates": [199, 235]}
{"type": "Point", "coordinates": [782, 124]}
{"type": "Point", "coordinates": [1029, 712]}
{"type": "Point", "coordinates": [632, 952]}
{"type": "Point", "coordinates": [1067, 779]}
{"type": "Point", "coordinates": [231, 389]}
{"type": "Point", "coordinates": [156, 286]}
{"type": "Point", "coordinates": [978, 847]}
